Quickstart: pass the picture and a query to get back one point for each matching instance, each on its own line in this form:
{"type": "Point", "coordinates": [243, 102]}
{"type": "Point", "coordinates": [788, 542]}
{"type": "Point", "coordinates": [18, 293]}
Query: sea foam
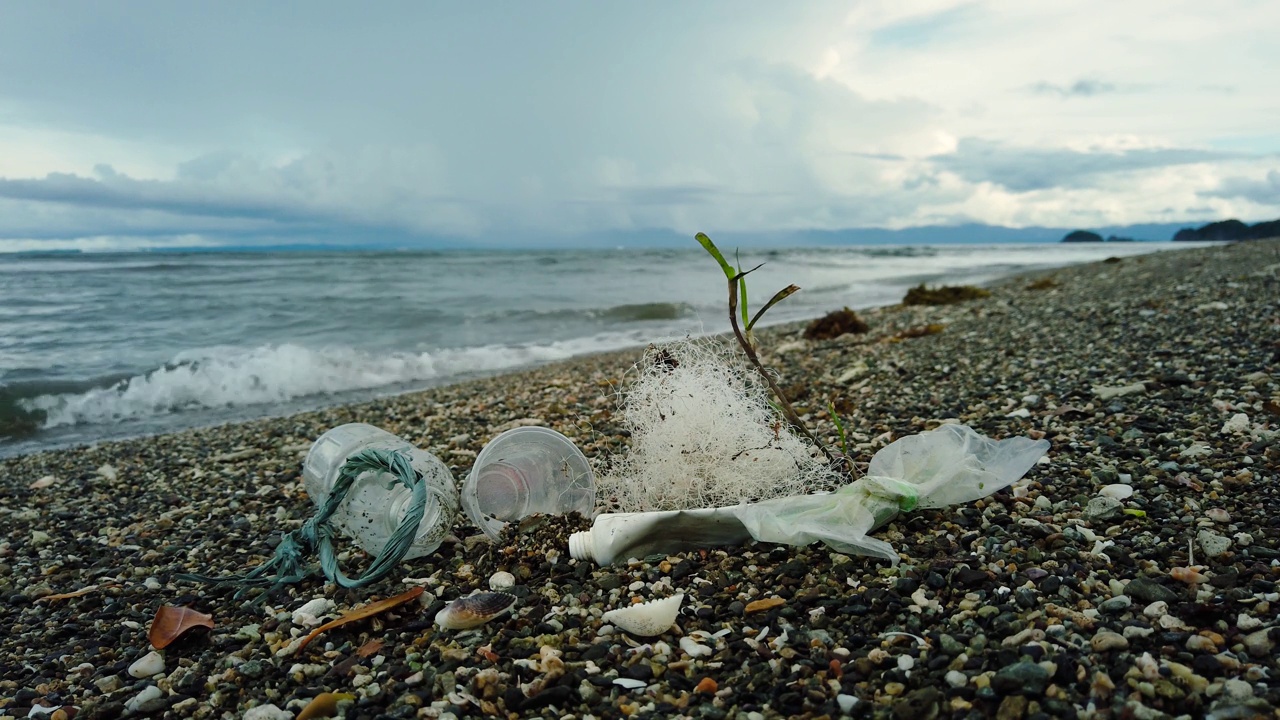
{"type": "Point", "coordinates": [224, 377]}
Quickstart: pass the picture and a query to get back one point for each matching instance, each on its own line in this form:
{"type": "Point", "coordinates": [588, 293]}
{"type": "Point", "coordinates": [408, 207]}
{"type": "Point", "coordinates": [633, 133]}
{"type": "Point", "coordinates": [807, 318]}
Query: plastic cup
{"type": "Point", "coordinates": [525, 471]}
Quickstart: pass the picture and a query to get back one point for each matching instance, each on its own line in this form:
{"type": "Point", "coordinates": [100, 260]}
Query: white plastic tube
{"type": "Point", "coordinates": [947, 466]}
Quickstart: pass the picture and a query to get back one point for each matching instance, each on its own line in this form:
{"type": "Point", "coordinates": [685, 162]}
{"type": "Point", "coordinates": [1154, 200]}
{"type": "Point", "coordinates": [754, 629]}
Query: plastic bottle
{"type": "Point", "coordinates": [376, 502]}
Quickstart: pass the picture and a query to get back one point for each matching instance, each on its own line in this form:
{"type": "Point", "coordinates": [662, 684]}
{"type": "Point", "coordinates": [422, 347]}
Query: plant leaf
{"type": "Point", "coordinates": [711, 248]}
{"type": "Point", "coordinates": [323, 705]}
{"type": "Point", "coordinates": [361, 613]}
{"type": "Point", "coordinates": [171, 622]}
{"type": "Point", "coordinates": [370, 648]}
{"type": "Point", "coordinates": [778, 297]}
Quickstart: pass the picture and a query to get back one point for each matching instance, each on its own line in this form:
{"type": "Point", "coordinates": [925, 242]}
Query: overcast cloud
{"type": "Point", "coordinates": [506, 123]}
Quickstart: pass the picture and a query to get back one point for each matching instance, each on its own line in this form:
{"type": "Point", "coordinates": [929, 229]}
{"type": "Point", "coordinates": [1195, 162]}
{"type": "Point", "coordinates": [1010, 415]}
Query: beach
{"type": "Point", "coordinates": [1157, 372]}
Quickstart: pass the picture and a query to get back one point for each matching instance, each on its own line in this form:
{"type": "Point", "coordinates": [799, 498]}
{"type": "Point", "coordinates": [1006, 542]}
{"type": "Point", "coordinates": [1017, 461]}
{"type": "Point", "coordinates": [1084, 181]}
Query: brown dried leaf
{"type": "Point", "coordinates": [370, 648]}
{"type": "Point", "coordinates": [361, 613]}
{"type": "Point", "coordinates": [323, 705]}
{"type": "Point", "coordinates": [171, 622]}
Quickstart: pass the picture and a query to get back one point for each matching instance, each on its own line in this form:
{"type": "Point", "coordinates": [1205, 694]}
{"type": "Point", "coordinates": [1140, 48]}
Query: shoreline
{"type": "Point", "coordinates": [241, 415]}
{"type": "Point", "coordinates": [1052, 600]}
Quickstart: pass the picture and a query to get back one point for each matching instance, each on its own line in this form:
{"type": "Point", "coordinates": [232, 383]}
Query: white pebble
{"type": "Point", "coordinates": [150, 664]}
{"type": "Point", "coordinates": [149, 693]}
{"type": "Point", "coordinates": [956, 679]}
{"type": "Point", "coordinates": [1212, 543]}
{"type": "Point", "coordinates": [309, 614]}
{"type": "Point", "coordinates": [1238, 423]}
{"type": "Point", "coordinates": [152, 583]}
{"type": "Point", "coordinates": [846, 702]}
{"type": "Point", "coordinates": [108, 472]}
{"type": "Point", "coordinates": [267, 712]}
{"type": "Point", "coordinates": [502, 580]}
{"type": "Point", "coordinates": [1247, 622]}
{"type": "Point", "coordinates": [1156, 609]}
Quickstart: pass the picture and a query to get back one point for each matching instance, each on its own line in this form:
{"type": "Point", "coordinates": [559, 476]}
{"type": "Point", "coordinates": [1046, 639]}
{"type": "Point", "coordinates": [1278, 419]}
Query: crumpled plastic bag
{"type": "Point", "coordinates": [947, 466]}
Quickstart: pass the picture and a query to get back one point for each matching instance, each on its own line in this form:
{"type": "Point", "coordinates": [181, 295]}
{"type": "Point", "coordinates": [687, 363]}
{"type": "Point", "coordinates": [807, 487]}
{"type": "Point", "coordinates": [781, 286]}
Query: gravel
{"type": "Point", "coordinates": [1156, 372]}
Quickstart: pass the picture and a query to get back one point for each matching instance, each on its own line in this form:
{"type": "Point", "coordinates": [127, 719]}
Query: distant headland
{"type": "Point", "coordinates": [1221, 230]}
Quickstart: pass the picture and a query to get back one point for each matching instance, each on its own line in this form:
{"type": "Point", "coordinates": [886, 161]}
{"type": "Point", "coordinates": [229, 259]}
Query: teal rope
{"type": "Point", "coordinates": [316, 535]}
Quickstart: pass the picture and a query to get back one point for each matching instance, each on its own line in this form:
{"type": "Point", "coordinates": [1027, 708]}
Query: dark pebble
{"type": "Point", "coordinates": [1024, 677]}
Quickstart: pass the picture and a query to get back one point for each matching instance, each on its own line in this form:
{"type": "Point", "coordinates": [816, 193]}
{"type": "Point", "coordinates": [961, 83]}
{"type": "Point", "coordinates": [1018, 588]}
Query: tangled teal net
{"type": "Point", "coordinates": [316, 535]}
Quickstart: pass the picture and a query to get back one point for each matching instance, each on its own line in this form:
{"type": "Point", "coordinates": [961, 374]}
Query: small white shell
{"type": "Point", "coordinates": [646, 619]}
{"type": "Point", "coordinates": [502, 580]}
{"type": "Point", "coordinates": [474, 610]}
{"type": "Point", "coordinates": [629, 683]}
{"type": "Point", "coordinates": [694, 648]}
{"type": "Point", "coordinates": [1119, 491]}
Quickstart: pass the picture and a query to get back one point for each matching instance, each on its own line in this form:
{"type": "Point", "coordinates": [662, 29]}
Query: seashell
{"type": "Point", "coordinates": [646, 619]}
{"type": "Point", "coordinates": [629, 683]}
{"type": "Point", "coordinates": [1119, 491]}
{"type": "Point", "coordinates": [474, 610]}
{"type": "Point", "coordinates": [502, 580]}
{"type": "Point", "coordinates": [693, 648]}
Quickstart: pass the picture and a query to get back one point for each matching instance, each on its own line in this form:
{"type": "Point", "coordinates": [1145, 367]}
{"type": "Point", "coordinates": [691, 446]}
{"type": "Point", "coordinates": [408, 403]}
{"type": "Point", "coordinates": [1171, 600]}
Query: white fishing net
{"type": "Point", "coordinates": [703, 434]}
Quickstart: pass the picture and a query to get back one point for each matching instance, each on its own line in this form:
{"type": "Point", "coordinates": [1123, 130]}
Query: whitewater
{"type": "Point", "coordinates": [103, 346]}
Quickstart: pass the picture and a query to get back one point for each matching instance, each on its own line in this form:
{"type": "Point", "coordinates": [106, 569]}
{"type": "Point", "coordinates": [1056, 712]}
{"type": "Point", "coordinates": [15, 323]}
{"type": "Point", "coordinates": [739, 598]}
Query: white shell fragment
{"type": "Point", "coordinates": [474, 610]}
{"type": "Point", "coordinates": [1119, 491]}
{"type": "Point", "coordinates": [694, 648]}
{"type": "Point", "coordinates": [646, 619]}
{"type": "Point", "coordinates": [629, 683]}
{"type": "Point", "coordinates": [502, 580]}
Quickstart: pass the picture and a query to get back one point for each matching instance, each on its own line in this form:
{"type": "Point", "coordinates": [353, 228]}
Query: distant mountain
{"type": "Point", "coordinates": [1230, 230]}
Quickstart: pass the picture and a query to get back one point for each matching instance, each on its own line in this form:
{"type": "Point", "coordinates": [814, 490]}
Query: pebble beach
{"type": "Point", "coordinates": [1133, 573]}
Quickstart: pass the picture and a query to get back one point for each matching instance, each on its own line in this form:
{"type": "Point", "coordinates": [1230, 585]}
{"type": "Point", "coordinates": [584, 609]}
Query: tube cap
{"type": "Point", "coordinates": [581, 547]}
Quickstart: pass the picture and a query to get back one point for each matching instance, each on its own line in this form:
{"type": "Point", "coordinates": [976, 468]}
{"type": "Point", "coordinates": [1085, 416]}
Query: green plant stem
{"type": "Point", "coordinates": [787, 411]}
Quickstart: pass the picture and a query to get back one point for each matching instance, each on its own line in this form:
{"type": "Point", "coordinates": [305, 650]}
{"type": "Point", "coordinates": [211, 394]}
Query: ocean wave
{"type": "Point", "coordinates": [270, 375]}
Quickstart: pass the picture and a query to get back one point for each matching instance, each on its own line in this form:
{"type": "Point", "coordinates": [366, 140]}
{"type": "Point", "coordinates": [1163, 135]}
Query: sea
{"type": "Point", "coordinates": [99, 346]}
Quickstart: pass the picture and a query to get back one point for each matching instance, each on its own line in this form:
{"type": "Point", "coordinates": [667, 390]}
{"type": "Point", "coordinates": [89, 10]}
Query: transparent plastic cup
{"type": "Point", "coordinates": [525, 471]}
{"type": "Point", "coordinates": [376, 503]}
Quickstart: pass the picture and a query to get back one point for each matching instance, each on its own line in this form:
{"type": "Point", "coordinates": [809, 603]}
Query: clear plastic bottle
{"type": "Point", "coordinates": [375, 504]}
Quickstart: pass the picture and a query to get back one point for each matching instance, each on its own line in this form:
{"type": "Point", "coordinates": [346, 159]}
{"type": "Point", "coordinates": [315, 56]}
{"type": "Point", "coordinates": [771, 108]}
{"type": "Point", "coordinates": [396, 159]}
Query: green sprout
{"type": "Point", "coordinates": [742, 332]}
{"type": "Point", "coordinates": [835, 418]}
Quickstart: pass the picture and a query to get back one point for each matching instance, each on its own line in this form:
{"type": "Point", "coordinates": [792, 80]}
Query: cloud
{"type": "Point", "coordinates": [1265, 191]}
{"type": "Point", "coordinates": [1023, 169]}
{"type": "Point", "coordinates": [1079, 88]}
{"type": "Point", "coordinates": [518, 121]}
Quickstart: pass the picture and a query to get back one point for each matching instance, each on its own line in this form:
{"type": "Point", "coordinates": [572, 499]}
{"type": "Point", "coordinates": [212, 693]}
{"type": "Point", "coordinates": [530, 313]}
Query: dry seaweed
{"type": "Point", "coordinates": [834, 324]}
{"type": "Point", "coordinates": [943, 294]}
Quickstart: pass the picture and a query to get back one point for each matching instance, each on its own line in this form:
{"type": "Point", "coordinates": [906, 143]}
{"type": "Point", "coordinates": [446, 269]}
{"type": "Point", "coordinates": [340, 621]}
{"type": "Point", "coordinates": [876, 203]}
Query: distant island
{"type": "Point", "coordinates": [1221, 230]}
{"type": "Point", "coordinates": [1086, 236]}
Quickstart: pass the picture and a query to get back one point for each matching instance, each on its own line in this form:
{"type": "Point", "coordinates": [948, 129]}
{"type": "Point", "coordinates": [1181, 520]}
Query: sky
{"type": "Point", "coordinates": [145, 124]}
